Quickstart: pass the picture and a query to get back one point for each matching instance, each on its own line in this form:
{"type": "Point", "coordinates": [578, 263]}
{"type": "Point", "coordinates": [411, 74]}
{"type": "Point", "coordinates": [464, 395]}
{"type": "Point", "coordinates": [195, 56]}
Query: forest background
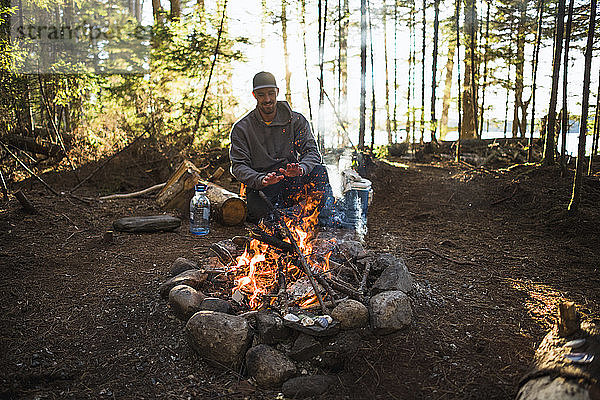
{"type": "Point", "coordinates": [182, 70]}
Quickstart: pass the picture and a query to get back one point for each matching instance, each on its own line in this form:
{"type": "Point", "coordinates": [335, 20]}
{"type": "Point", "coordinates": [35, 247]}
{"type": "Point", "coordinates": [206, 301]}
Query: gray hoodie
{"type": "Point", "coordinates": [258, 148]}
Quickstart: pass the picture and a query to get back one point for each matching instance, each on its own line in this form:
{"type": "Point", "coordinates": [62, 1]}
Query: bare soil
{"type": "Point", "coordinates": [492, 253]}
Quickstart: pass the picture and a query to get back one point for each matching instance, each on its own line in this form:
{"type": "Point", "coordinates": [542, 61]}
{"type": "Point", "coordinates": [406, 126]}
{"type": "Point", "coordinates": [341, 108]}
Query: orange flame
{"type": "Point", "coordinates": [256, 271]}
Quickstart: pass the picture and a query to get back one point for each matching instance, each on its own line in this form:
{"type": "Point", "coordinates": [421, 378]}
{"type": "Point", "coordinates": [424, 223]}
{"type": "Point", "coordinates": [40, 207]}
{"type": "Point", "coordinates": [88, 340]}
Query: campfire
{"type": "Point", "coordinates": [284, 300]}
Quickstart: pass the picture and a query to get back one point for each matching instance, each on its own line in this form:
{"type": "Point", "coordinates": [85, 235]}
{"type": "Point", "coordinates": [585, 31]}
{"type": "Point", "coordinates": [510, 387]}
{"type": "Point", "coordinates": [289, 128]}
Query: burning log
{"type": "Point", "coordinates": [301, 257]}
{"type": "Point", "coordinates": [262, 236]}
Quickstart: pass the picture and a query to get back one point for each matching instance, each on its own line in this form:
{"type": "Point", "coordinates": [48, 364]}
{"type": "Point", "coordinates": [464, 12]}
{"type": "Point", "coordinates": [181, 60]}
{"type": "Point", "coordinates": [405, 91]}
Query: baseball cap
{"type": "Point", "coordinates": [263, 80]}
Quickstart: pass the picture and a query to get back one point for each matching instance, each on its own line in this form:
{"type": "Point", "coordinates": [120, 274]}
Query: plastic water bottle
{"type": "Point", "coordinates": [200, 212]}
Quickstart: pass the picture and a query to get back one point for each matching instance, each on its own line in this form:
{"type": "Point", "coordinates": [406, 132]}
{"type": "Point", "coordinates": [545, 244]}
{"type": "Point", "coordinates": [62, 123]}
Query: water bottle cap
{"type": "Point", "coordinates": [200, 187]}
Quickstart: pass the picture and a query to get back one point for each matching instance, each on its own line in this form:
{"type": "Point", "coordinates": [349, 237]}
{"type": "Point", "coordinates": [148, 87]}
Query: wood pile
{"type": "Point", "coordinates": [228, 207]}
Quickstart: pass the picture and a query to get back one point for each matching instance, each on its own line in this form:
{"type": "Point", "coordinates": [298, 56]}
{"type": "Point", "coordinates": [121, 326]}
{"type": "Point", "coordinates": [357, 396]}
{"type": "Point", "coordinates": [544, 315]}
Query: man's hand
{"type": "Point", "coordinates": [271, 178]}
{"type": "Point", "coordinates": [292, 170]}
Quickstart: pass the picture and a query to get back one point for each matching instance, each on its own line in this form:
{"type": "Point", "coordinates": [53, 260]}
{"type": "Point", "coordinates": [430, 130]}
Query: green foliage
{"type": "Point", "coordinates": [99, 113]}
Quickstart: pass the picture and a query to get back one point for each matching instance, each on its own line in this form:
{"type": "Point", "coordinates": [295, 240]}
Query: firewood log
{"type": "Point", "coordinates": [227, 207]}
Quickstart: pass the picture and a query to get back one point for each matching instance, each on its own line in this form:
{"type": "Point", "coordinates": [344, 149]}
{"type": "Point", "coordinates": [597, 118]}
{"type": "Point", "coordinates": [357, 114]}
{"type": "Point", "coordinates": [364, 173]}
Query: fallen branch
{"type": "Point", "coordinates": [4, 187]}
{"type": "Point", "coordinates": [435, 253]}
{"type": "Point", "coordinates": [343, 288]}
{"type": "Point", "coordinates": [28, 170]}
{"type": "Point", "coordinates": [133, 194]}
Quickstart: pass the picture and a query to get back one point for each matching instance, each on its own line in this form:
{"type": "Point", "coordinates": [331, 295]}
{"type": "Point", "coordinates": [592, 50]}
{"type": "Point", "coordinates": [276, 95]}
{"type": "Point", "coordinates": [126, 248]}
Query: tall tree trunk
{"type": "Point", "coordinates": [423, 75]}
{"type": "Point", "coordinates": [344, 62]}
{"type": "Point", "coordinates": [372, 78]}
{"type": "Point", "coordinates": [550, 145]}
{"type": "Point", "coordinates": [520, 108]}
{"type": "Point", "coordinates": [339, 60]}
{"type": "Point", "coordinates": [436, 23]}
{"type": "Point", "coordinates": [409, 124]}
{"type": "Point", "coordinates": [485, 64]}
{"type": "Point", "coordinates": [474, 67]}
{"type": "Point", "coordinates": [457, 14]}
{"type": "Point", "coordinates": [469, 107]}
{"type": "Point", "coordinates": [157, 11]}
{"type": "Point", "coordinates": [303, 26]}
{"type": "Point", "coordinates": [565, 111]}
{"type": "Point", "coordinates": [596, 132]}
{"type": "Point", "coordinates": [363, 72]}
{"type": "Point", "coordinates": [577, 181]}
{"type": "Point", "coordinates": [413, 16]}
{"type": "Point", "coordinates": [288, 74]}
{"type": "Point", "coordinates": [175, 10]}
{"type": "Point", "coordinates": [396, 70]}
{"type": "Point", "coordinates": [536, 56]}
{"type": "Point", "coordinates": [508, 79]}
{"type": "Point", "coordinates": [447, 89]}
{"type": "Point", "coordinates": [388, 125]}
{"type": "Point", "coordinates": [322, 29]}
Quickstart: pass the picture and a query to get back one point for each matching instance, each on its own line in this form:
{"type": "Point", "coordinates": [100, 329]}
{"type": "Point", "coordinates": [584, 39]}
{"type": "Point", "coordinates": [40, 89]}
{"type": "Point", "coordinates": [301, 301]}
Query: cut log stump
{"type": "Point", "coordinates": [153, 223]}
{"type": "Point", "coordinates": [227, 207]}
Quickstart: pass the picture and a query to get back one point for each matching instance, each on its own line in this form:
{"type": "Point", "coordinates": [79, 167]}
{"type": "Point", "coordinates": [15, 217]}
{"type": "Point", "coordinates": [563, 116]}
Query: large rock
{"type": "Point", "coordinates": [269, 367]}
{"type": "Point", "coordinates": [351, 314]}
{"type": "Point", "coordinates": [181, 265]}
{"type": "Point", "coordinates": [390, 311]}
{"type": "Point", "coordinates": [395, 276]}
{"type": "Point", "coordinates": [307, 386]}
{"type": "Point", "coordinates": [193, 277]}
{"type": "Point", "coordinates": [185, 301]}
{"type": "Point", "coordinates": [219, 337]}
{"type": "Point", "coordinates": [305, 347]}
{"type": "Point", "coordinates": [216, 304]}
{"type": "Point", "coordinates": [270, 328]}
{"type": "Point", "coordinates": [352, 249]}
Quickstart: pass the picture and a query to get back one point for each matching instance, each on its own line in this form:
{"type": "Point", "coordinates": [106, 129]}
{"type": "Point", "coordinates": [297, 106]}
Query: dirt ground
{"type": "Point", "coordinates": [492, 254]}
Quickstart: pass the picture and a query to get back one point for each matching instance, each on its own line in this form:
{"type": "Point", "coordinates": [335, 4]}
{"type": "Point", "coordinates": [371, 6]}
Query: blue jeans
{"type": "Point", "coordinates": [289, 191]}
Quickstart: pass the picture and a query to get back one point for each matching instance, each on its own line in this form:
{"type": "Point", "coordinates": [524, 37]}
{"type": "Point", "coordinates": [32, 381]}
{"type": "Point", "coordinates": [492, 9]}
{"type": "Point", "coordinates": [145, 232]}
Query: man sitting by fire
{"type": "Point", "coordinates": [273, 151]}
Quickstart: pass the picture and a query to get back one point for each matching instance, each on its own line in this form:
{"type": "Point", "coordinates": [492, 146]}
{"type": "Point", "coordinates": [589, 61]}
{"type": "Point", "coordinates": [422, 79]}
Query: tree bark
{"type": "Point", "coordinates": [520, 108]}
{"type": "Point", "coordinates": [396, 69]}
{"type": "Point", "coordinates": [388, 125]}
{"type": "Point", "coordinates": [175, 10]}
{"type": "Point", "coordinates": [409, 124]}
{"type": "Point", "coordinates": [436, 24]}
{"type": "Point", "coordinates": [485, 64]}
{"type": "Point", "coordinates": [303, 26]}
{"type": "Point", "coordinates": [595, 138]}
{"type": "Point", "coordinates": [474, 67]}
{"type": "Point", "coordinates": [457, 15]}
{"type": "Point", "coordinates": [423, 74]}
{"type": "Point", "coordinates": [550, 145]}
{"type": "Point", "coordinates": [363, 72]}
{"type": "Point", "coordinates": [469, 130]}
{"type": "Point", "coordinates": [372, 78]}
{"type": "Point", "coordinates": [447, 89]}
{"type": "Point", "coordinates": [565, 111]}
{"type": "Point", "coordinates": [577, 181]}
{"type": "Point", "coordinates": [288, 74]}
{"type": "Point", "coordinates": [536, 57]}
